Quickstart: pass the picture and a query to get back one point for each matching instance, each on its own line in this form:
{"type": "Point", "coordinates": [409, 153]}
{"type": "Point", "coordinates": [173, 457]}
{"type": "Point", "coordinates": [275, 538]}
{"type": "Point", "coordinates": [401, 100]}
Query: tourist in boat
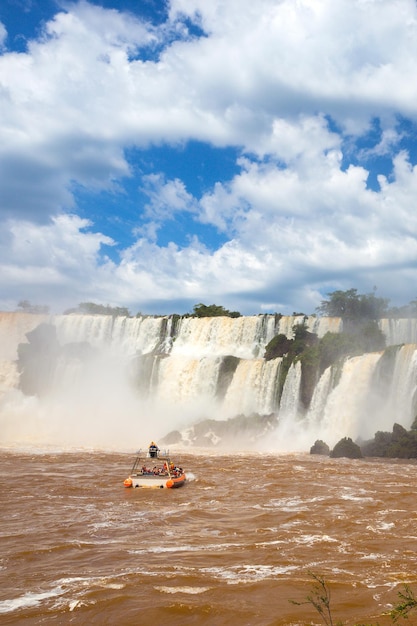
{"type": "Point", "coordinates": [153, 450]}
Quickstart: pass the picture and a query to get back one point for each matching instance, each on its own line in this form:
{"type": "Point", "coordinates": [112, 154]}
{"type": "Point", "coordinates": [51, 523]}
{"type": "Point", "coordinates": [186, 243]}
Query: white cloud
{"type": "Point", "coordinates": [54, 263]}
{"type": "Point", "coordinates": [3, 35]}
{"type": "Point", "coordinates": [166, 197]}
{"type": "Point", "coordinates": [267, 77]}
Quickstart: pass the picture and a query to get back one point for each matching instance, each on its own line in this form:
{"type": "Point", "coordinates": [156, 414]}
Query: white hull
{"type": "Point", "coordinates": [164, 474]}
{"type": "Point", "coordinates": [155, 482]}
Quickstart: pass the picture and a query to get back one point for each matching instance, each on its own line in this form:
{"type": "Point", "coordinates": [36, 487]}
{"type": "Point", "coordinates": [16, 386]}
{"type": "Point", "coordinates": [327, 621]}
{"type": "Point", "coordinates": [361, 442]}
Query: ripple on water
{"type": "Point", "coordinates": [235, 543]}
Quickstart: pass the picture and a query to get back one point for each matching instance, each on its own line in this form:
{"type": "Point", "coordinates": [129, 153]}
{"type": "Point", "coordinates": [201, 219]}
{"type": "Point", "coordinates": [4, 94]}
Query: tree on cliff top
{"type": "Point", "coordinates": [37, 309]}
{"type": "Point", "coordinates": [352, 307]}
{"type": "Point", "coordinates": [91, 308]}
{"type": "Point", "coordinates": [212, 310]}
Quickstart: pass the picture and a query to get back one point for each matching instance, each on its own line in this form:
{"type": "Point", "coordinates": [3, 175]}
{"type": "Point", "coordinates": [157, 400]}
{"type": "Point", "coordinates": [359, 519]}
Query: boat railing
{"type": "Point", "coordinates": [143, 457]}
{"type": "Point", "coordinates": [154, 454]}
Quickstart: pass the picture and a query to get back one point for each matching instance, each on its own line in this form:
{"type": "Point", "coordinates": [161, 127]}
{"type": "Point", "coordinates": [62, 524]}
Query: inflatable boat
{"type": "Point", "coordinates": [153, 469]}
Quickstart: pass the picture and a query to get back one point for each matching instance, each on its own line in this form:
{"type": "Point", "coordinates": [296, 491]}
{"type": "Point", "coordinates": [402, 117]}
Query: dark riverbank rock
{"type": "Point", "coordinates": [346, 448]}
{"type": "Point", "coordinates": [320, 447]}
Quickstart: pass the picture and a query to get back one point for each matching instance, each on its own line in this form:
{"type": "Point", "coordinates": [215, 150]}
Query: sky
{"type": "Point", "coordinates": [255, 155]}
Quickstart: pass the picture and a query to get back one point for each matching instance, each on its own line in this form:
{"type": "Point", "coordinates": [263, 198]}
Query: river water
{"type": "Point", "coordinates": [234, 546]}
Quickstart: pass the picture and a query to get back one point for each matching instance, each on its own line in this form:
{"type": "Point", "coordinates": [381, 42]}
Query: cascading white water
{"type": "Point", "coordinates": [322, 325]}
{"type": "Point", "coordinates": [398, 331]}
{"type": "Point", "coordinates": [124, 335]}
{"type": "Point", "coordinates": [243, 337]}
{"type": "Point", "coordinates": [253, 388]}
{"type": "Point", "coordinates": [289, 405]}
{"type": "Point", "coordinates": [401, 393]}
{"type": "Point", "coordinates": [347, 411]}
{"type": "Point", "coordinates": [155, 374]}
{"type": "Point", "coordinates": [319, 399]}
{"type": "Point", "coordinates": [184, 381]}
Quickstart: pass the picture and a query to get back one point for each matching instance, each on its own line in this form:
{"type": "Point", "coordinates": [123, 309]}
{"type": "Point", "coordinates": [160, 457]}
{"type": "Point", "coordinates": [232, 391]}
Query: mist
{"type": "Point", "coordinates": [95, 382]}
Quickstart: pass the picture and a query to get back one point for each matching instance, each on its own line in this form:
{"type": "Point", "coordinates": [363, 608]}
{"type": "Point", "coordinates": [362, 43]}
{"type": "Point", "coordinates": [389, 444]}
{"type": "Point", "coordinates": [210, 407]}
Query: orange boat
{"type": "Point", "coordinates": [153, 469]}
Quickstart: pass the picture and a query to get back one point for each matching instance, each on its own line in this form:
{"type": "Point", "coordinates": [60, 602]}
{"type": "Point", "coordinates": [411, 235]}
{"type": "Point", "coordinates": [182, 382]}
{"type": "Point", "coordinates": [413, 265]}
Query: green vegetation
{"type": "Point", "coordinates": [37, 309]}
{"type": "Point", "coordinates": [353, 307]}
{"type": "Point", "coordinates": [278, 346]}
{"type": "Point", "coordinates": [400, 444]}
{"type": "Point", "coordinates": [360, 335]}
{"type": "Point", "coordinates": [317, 355]}
{"type": "Point", "coordinates": [90, 308]}
{"type": "Point", "coordinates": [405, 311]}
{"type": "Point", "coordinates": [303, 346]}
{"type": "Point", "coordinates": [319, 598]}
{"type": "Point", "coordinates": [212, 310]}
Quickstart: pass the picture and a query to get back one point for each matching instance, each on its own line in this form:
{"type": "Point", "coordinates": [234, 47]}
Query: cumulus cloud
{"type": "Point", "coordinates": [292, 86]}
{"type": "Point", "coordinates": [55, 262]}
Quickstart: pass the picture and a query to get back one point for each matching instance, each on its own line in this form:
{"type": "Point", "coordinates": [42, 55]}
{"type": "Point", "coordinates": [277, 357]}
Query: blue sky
{"type": "Point", "coordinates": [253, 155]}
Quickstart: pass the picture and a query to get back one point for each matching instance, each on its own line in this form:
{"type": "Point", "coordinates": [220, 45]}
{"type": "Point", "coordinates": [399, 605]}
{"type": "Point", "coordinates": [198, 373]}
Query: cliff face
{"type": "Point", "coordinates": [178, 372]}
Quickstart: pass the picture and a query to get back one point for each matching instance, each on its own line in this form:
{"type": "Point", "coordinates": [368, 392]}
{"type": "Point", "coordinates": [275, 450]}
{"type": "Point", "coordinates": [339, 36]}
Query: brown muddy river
{"type": "Point", "coordinates": [234, 546]}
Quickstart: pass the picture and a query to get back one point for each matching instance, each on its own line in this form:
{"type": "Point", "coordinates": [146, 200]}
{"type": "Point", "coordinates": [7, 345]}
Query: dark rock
{"type": "Point", "coordinates": [346, 448]}
{"type": "Point", "coordinates": [320, 447]}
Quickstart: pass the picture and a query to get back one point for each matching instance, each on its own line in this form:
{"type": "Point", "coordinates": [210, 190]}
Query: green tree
{"type": "Point", "coordinates": [91, 308]}
{"type": "Point", "coordinates": [353, 307]}
{"type": "Point", "coordinates": [212, 310]}
{"type": "Point", "coordinates": [38, 309]}
{"type": "Point", "coordinates": [278, 346]}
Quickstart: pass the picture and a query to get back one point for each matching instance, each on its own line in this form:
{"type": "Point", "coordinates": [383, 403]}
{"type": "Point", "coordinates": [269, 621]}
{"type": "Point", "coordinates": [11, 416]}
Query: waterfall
{"type": "Point", "coordinates": [318, 325]}
{"type": "Point", "coordinates": [289, 405]}
{"type": "Point", "coordinates": [139, 335]}
{"type": "Point", "coordinates": [319, 399]}
{"type": "Point", "coordinates": [398, 331]}
{"type": "Point", "coordinates": [346, 411]}
{"type": "Point", "coordinates": [106, 378]}
{"type": "Point", "coordinates": [253, 388]}
{"type": "Point", "coordinates": [243, 337]}
{"type": "Point", "coordinates": [183, 380]}
{"type": "Point", "coordinates": [397, 389]}
{"type": "Point", "coordinates": [9, 376]}
{"type": "Point", "coordinates": [322, 325]}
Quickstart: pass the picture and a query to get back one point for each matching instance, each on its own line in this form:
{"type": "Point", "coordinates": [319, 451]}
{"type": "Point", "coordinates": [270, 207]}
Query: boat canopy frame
{"type": "Point", "coordinates": [142, 456]}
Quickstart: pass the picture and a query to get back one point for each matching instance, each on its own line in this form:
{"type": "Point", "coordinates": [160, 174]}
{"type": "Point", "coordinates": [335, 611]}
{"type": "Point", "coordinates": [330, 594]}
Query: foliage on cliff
{"type": "Point", "coordinates": [317, 355]}
{"type": "Point", "coordinates": [292, 349]}
{"type": "Point", "coordinates": [91, 308]}
{"type": "Point", "coordinates": [36, 309]}
{"type": "Point", "coordinates": [400, 444]}
{"type": "Point", "coordinates": [352, 307]}
{"type": "Point", "coordinates": [212, 310]}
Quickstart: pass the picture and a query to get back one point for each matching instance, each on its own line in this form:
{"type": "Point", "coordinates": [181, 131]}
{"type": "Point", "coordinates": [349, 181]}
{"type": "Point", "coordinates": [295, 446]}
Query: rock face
{"type": "Point", "coordinates": [37, 359]}
{"type": "Point", "coordinates": [346, 448]}
{"type": "Point", "coordinates": [400, 443]}
{"type": "Point", "coordinates": [320, 447]}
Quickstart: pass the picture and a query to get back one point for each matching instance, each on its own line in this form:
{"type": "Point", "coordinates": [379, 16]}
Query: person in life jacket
{"type": "Point", "coordinates": [153, 450]}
